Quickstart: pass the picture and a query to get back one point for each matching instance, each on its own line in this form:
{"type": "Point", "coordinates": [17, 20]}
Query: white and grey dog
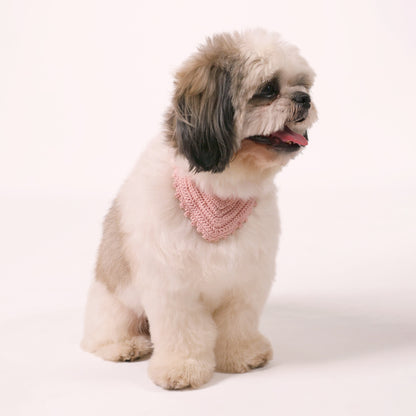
{"type": "Point", "coordinates": [188, 251]}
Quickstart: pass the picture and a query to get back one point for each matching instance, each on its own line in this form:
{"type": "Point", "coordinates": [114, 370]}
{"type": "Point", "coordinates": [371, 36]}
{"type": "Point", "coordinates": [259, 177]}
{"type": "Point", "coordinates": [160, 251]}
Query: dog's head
{"type": "Point", "coordinates": [241, 96]}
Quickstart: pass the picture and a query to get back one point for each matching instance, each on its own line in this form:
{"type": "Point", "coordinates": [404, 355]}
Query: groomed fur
{"type": "Point", "coordinates": [202, 300]}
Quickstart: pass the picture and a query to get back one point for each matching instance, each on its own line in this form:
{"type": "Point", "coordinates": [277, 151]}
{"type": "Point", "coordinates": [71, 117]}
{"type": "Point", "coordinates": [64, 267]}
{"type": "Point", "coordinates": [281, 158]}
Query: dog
{"type": "Point", "coordinates": [187, 256]}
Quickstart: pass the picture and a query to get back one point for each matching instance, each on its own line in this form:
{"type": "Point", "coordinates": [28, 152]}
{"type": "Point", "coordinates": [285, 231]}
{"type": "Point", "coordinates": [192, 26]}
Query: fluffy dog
{"type": "Point", "coordinates": [188, 250]}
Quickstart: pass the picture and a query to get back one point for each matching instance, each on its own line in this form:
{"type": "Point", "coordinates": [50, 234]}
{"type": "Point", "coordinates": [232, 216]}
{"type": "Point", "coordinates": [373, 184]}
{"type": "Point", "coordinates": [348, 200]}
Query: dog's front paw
{"type": "Point", "coordinates": [180, 373]}
{"type": "Point", "coordinates": [241, 356]}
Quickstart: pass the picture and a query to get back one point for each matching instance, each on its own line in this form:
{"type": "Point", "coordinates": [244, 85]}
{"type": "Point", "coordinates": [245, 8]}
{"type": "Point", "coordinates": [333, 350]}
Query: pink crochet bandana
{"type": "Point", "coordinates": [214, 218]}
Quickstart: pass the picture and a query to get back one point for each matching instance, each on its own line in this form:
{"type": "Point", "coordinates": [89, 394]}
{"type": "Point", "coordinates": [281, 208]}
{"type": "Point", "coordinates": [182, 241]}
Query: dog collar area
{"type": "Point", "coordinates": [213, 218]}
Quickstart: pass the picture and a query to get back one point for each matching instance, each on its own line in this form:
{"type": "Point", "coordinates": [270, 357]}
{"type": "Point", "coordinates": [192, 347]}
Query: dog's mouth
{"type": "Point", "coordinates": [282, 140]}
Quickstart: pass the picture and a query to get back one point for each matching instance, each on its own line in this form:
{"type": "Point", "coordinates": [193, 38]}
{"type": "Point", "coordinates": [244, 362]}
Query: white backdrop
{"type": "Point", "coordinates": [83, 87]}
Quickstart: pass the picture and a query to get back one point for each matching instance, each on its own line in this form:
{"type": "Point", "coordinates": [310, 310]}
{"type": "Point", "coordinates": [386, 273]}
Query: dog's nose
{"type": "Point", "coordinates": [300, 97]}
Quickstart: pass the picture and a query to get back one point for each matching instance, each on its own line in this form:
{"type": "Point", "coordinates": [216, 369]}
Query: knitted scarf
{"type": "Point", "coordinates": [213, 217]}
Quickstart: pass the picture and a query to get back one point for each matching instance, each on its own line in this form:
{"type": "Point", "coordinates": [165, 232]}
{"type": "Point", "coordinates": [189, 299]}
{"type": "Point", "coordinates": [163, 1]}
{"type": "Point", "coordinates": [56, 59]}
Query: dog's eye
{"type": "Point", "coordinates": [266, 94]}
{"type": "Point", "coordinates": [268, 91]}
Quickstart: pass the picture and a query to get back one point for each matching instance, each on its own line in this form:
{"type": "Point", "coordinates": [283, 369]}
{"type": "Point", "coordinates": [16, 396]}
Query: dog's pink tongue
{"type": "Point", "coordinates": [288, 135]}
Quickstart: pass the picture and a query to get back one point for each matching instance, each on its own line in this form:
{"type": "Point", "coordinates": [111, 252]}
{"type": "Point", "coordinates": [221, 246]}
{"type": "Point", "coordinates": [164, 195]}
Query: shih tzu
{"type": "Point", "coordinates": [188, 250]}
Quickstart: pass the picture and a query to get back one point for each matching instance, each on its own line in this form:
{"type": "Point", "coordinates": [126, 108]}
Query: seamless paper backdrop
{"type": "Point", "coordinates": [83, 88]}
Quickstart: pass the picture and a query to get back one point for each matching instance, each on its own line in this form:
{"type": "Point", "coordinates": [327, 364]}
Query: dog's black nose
{"type": "Point", "coordinates": [302, 98]}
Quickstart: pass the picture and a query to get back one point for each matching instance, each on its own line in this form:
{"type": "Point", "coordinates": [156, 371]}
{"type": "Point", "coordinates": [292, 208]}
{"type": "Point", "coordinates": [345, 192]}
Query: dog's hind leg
{"type": "Point", "coordinates": [112, 330]}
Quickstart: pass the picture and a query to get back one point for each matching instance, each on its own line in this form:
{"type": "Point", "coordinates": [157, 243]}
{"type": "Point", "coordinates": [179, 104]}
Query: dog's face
{"type": "Point", "coordinates": [243, 97]}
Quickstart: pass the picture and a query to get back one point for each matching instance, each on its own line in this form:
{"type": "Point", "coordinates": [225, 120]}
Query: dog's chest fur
{"type": "Point", "coordinates": [166, 251]}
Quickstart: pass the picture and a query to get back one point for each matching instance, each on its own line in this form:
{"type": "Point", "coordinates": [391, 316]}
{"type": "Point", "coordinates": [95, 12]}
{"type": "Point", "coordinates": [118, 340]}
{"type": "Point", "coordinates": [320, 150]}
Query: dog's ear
{"type": "Point", "coordinates": [204, 113]}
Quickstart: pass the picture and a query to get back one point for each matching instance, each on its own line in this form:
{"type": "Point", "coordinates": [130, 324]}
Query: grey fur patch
{"type": "Point", "coordinates": [205, 125]}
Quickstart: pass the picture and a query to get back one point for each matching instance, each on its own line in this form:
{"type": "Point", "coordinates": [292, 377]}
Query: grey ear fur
{"type": "Point", "coordinates": [204, 129]}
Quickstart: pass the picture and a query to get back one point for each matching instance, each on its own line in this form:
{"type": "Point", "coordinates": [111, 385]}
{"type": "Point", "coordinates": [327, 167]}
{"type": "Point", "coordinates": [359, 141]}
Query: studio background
{"type": "Point", "coordinates": [83, 88]}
